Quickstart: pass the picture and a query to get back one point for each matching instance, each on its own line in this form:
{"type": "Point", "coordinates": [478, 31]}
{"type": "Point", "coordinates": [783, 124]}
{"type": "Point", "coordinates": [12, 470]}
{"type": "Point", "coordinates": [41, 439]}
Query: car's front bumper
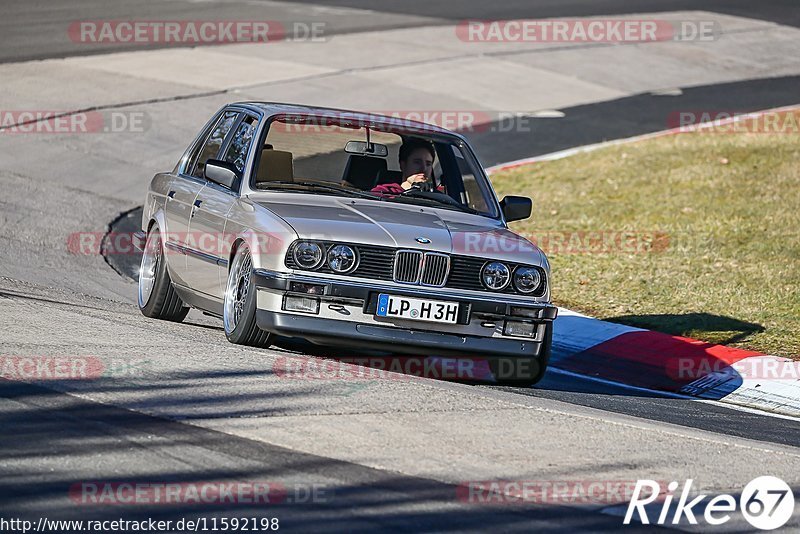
{"type": "Point", "coordinates": [346, 317]}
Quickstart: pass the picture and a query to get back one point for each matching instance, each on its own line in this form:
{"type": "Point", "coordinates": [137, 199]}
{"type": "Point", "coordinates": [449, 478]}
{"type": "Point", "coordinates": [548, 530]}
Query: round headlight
{"type": "Point", "coordinates": [307, 255]}
{"type": "Point", "coordinates": [527, 279]}
{"type": "Point", "coordinates": [495, 276]}
{"type": "Point", "coordinates": [342, 259]}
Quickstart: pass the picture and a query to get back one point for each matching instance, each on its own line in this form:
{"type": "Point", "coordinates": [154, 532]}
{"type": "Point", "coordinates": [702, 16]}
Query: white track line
{"type": "Point", "coordinates": [668, 394]}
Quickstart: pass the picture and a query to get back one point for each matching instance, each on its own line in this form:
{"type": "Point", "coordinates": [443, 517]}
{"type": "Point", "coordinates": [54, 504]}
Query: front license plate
{"type": "Point", "coordinates": [434, 311]}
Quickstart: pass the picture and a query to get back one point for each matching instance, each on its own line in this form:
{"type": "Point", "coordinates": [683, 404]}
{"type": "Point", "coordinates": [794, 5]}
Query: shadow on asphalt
{"type": "Point", "coordinates": [100, 455]}
{"type": "Point", "coordinates": [724, 330]}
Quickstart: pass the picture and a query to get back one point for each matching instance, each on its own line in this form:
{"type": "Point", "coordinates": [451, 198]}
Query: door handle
{"type": "Point", "coordinates": [170, 195]}
{"type": "Point", "coordinates": [196, 205]}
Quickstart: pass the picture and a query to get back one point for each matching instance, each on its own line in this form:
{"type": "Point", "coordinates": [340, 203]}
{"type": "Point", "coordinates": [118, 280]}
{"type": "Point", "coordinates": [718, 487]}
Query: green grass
{"type": "Point", "coordinates": [725, 211]}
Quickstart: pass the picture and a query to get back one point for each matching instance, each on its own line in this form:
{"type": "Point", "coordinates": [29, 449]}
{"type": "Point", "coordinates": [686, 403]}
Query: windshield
{"type": "Point", "coordinates": [420, 168]}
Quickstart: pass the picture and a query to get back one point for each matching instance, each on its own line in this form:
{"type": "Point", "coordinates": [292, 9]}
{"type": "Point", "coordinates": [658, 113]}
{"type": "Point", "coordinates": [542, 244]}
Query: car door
{"type": "Point", "coordinates": [182, 194]}
{"type": "Point", "coordinates": [207, 270]}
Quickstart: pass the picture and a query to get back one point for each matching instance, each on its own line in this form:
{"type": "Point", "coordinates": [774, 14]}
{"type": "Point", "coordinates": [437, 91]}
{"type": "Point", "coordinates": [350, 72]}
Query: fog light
{"type": "Point", "coordinates": [533, 313]}
{"type": "Point", "coordinates": [517, 328]}
{"type": "Point", "coordinates": [301, 304]}
{"type": "Point", "coordinates": [311, 289]}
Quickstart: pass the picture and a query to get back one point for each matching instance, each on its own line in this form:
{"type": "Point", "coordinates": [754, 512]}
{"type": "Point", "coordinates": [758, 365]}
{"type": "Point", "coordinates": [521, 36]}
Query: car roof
{"type": "Point", "coordinates": [336, 115]}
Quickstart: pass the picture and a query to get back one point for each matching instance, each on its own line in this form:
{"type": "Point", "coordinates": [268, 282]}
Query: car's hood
{"type": "Point", "coordinates": [399, 225]}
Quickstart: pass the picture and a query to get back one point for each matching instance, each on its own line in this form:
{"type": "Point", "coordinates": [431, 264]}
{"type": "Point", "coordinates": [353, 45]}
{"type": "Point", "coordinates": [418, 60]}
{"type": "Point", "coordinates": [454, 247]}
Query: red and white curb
{"type": "Point", "coordinates": [661, 362]}
{"type": "Point", "coordinates": [653, 361]}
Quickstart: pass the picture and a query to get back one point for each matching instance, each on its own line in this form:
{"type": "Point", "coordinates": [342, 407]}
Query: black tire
{"type": "Point", "coordinates": [240, 291]}
{"type": "Point", "coordinates": [162, 301]}
{"type": "Point", "coordinates": [522, 372]}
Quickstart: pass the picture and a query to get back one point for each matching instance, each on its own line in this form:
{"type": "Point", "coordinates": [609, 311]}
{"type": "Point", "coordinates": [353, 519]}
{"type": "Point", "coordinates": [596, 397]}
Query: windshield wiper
{"type": "Point", "coordinates": [323, 187]}
{"type": "Point", "coordinates": [440, 199]}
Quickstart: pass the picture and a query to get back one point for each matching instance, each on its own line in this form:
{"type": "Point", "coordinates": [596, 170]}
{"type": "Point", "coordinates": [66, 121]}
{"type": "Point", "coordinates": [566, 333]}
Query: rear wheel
{"type": "Point", "coordinates": [157, 298]}
{"type": "Point", "coordinates": [239, 307]}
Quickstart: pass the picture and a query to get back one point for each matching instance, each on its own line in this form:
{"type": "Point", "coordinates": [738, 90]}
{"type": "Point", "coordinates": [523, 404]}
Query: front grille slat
{"type": "Point", "coordinates": [407, 264]}
{"type": "Point", "coordinates": [435, 270]}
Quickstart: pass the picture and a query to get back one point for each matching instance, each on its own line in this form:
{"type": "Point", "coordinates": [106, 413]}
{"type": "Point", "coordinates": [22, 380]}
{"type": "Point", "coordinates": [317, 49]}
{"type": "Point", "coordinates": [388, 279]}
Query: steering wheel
{"type": "Point", "coordinates": [418, 192]}
{"type": "Point", "coordinates": [420, 186]}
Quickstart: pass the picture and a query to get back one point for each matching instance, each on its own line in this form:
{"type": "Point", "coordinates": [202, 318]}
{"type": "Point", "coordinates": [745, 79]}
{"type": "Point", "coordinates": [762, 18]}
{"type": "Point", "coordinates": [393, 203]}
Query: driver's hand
{"type": "Point", "coordinates": [413, 179]}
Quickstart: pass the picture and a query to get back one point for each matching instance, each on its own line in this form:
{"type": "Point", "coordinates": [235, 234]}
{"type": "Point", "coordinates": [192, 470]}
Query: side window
{"type": "Point", "coordinates": [240, 144]}
{"type": "Point", "coordinates": [212, 144]}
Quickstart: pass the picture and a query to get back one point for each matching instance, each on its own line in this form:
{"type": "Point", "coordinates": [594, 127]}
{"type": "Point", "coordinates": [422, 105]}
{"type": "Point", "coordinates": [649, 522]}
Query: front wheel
{"type": "Point", "coordinates": [239, 307]}
{"type": "Point", "coordinates": [157, 298]}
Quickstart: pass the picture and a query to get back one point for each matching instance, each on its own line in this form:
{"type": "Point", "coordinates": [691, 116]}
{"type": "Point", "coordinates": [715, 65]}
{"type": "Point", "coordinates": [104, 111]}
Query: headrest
{"type": "Point", "coordinates": [362, 172]}
{"type": "Point", "coordinates": [275, 166]}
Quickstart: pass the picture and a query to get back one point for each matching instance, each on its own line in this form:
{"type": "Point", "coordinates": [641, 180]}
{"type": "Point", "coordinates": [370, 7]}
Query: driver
{"type": "Point", "coordinates": [416, 167]}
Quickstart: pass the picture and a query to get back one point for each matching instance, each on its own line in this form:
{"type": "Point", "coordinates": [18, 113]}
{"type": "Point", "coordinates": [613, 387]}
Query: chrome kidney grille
{"type": "Point", "coordinates": [407, 266]}
{"type": "Point", "coordinates": [423, 268]}
{"type": "Point", "coordinates": [435, 268]}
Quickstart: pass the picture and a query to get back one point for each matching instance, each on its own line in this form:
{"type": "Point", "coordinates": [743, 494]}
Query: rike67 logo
{"type": "Point", "coordinates": [766, 503]}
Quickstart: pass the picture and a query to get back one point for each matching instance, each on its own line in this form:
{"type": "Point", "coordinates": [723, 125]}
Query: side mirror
{"type": "Point", "coordinates": [221, 172]}
{"type": "Point", "coordinates": [516, 208]}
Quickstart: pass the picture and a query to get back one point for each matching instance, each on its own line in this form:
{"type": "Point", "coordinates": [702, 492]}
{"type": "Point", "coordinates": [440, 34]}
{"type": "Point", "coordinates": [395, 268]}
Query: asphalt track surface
{"type": "Point", "coordinates": [54, 428]}
{"type": "Point", "coordinates": [124, 441]}
{"type": "Point", "coordinates": [34, 29]}
{"type": "Point", "coordinates": [782, 11]}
